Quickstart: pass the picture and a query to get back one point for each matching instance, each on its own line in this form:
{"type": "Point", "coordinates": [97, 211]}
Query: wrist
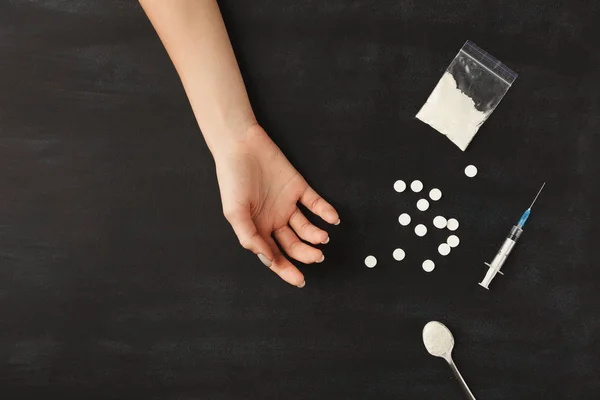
{"type": "Point", "coordinates": [244, 138]}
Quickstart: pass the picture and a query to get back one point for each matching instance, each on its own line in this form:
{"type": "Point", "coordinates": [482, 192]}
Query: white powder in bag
{"type": "Point", "coordinates": [452, 113]}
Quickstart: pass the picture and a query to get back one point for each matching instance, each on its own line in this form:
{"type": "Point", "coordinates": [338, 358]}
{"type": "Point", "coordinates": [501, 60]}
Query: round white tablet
{"type": "Point", "coordinates": [444, 249]}
{"type": "Point", "coordinates": [404, 219]}
{"type": "Point", "coordinates": [439, 222]}
{"type": "Point", "coordinates": [435, 194]}
{"type": "Point", "coordinates": [416, 186]}
{"type": "Point", "coordinates": [421, 230]}
{"type": "Point", "coordinates": [428, 265]}
{"type": "Point", "coordinates": [453, 240]}
{"type": "Point", "coordinates": [399, 186]}
{"type": "Point", "coordinates": [452, 224]}
{"type": "Point", "coordinates": [399, 254]}
{"type": "Point", "coordinates": [471, 171]}
{"type": "Point", "coordinates": [422, 205]}
{"type": "Point", "coordinates": [370, 261]}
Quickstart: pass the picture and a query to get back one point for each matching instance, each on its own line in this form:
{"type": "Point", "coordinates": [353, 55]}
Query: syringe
{"type": "Point", "coordinates": [507, 246]}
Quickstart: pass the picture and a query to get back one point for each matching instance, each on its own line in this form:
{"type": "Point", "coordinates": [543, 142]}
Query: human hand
{"type": "Point", "coordinates": [260, 192]}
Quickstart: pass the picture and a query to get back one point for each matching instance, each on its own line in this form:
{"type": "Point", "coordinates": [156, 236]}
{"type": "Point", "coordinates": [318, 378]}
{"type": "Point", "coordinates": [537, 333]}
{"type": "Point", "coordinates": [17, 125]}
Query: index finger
{"type": "Point", "coordinates": [319, 206]}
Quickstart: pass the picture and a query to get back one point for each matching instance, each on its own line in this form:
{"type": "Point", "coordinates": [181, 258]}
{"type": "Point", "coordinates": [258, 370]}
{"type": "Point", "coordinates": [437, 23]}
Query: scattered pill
{"type": "Point", "coordinates": [435, 194]}
{"type": "Point", "coordinates": [416, 186]}
{"type": "Point", "coordinates": [471, 171]}
{"type": "Point", "coordinates": [421, 230]}
{"type": "Point", "coordinates": [440, 222]}
{"type": "Point", "coordinates": [452, 224]}
{"type": "Point", "coordinates": [422, 205]}
{"type": "Point", "coordinates": [399, 186]}
{"type": "Point", "coordinates": [399, 254]}
{"type": "Point", "coordinates": [404, 219]}
{"type": "Point", "coordinates": [444, 249]}
{"type": "Point", "coordinates": [370, 261]}
{"type": "Point", "coordinates": [453, 240]}
{"type": "Point", "coordinates": [428, 265]}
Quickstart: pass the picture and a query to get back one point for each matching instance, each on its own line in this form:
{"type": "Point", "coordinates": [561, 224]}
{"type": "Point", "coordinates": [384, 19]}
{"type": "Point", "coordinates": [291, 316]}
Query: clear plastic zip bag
{"type": "Point", "coordinates": [469, 91]}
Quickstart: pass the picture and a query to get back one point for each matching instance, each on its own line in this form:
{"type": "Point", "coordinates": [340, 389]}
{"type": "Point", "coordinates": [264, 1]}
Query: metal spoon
{"type": "Point", "coordinates": [439, 342]}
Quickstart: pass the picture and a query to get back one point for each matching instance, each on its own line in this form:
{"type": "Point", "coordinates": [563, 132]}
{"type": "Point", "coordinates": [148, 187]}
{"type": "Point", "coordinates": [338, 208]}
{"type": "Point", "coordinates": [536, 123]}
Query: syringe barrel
{"type": "Point", "coordinates": [501, 255]}
{"type": "Point", "coordinates": [507, 247]}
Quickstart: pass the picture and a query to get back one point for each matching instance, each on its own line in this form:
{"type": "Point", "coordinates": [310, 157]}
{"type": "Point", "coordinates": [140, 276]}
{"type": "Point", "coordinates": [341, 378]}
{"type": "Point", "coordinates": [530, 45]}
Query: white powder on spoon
{"type": "Point", "coordinates": [437, 338]}
{"type": "Point", "coordinates": [451, 112]}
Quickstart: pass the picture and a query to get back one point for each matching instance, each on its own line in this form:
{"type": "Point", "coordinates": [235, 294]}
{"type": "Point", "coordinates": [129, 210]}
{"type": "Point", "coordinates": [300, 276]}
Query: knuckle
{"type": "Point", "coordinates": [306, 225]}
{"type": "Point", "coordinates": [245, 243]}
{"type": "Point", "coordinates": [229, 214]}
{"type": "Point", "coordinates": [315, 202]}
{"type": "Point", "coordinates": [294, 245]}
{"type": "Point", "coordinates": [295, 214]}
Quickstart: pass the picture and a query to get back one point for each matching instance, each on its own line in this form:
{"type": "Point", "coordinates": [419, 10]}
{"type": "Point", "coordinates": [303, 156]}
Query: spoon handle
{"type": "Point", "coordinates": [458, 376]}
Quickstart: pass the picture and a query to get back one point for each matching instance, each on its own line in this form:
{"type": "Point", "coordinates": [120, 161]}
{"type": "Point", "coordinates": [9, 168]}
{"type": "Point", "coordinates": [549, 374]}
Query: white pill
{"type": "Point", "coordinates": [428, 265]}
{"type": "Point", "coordinates": [453, 240]}
{"type": "Point", "coordinates": [440, 222]}
{"type": "Point", "coordinates": [452, 224]}
{"type": "Point", "coordinates": [421, 230]}
{"type": "Point", "coordinates": [404, 219]}
{"type": "Point", "coordinates": [435, 194]}
{"type": "Point", "coordinates": [471, 171]}
{"type": "Point", "coordinates": [444, 249]}
{"type": "Point", "coordinates": [416, 186]}
{"type": "Point", "coordinates": [370, 261]}
{"type": "Point", "coordinates": [399, 254]}
{"type": "Point", "coordinates": [422, 204]}
{"type": "Point", "coordinates": [399, 186]}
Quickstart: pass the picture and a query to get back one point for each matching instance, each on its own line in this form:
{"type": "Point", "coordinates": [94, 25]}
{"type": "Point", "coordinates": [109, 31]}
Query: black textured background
{"type": "Point", "coordinates": [120, 279]}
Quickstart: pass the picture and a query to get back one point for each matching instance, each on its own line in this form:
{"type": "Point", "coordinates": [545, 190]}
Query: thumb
{"type": "Point", "coordinates": [248, 235]}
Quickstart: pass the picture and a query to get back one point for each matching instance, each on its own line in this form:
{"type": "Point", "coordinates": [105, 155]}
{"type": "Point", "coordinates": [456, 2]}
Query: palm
{"type": "Point", "coordinates": [260, 187]}
{"type": "Point", "coordinates": [279, 189]}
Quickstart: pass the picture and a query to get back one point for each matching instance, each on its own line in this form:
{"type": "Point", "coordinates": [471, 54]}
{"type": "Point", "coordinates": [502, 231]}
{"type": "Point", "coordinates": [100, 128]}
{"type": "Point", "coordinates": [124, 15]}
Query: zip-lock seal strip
{"type": "Point", "coordinates": [489, 62]}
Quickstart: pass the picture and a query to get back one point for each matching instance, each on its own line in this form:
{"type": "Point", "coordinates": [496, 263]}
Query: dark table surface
{"type": "Point", "coordinates": [120, 279]}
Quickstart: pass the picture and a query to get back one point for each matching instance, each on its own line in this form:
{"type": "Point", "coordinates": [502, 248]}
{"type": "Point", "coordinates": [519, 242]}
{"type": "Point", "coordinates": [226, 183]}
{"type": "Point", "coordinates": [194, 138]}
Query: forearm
{"type": "Point", "coordinates": [195, 38]}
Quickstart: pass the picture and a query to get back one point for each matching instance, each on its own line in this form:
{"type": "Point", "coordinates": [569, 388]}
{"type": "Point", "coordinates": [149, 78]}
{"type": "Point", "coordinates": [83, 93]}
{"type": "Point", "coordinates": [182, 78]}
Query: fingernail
{"type": "Point", "coordinates": [325, 241]}
{"type": "Point", "coordinates": [320, 260]}
{"type": "Point", "coordinates": [264, 260]}
{"type": "Point", "coordinates": [302, 284]}
{"type": "Point", "coordinates": [329, 215]}
{"type": "Point", "coordinates": [338, 222]}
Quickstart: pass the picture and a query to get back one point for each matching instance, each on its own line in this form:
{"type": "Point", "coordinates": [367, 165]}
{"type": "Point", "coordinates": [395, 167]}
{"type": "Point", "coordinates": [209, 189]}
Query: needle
{"type": "Point", "coordinates": [537, 195]}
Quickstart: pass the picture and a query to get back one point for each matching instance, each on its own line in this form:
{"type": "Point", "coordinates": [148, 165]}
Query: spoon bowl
{"type": "Point", "coordinates": [438, 339]}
